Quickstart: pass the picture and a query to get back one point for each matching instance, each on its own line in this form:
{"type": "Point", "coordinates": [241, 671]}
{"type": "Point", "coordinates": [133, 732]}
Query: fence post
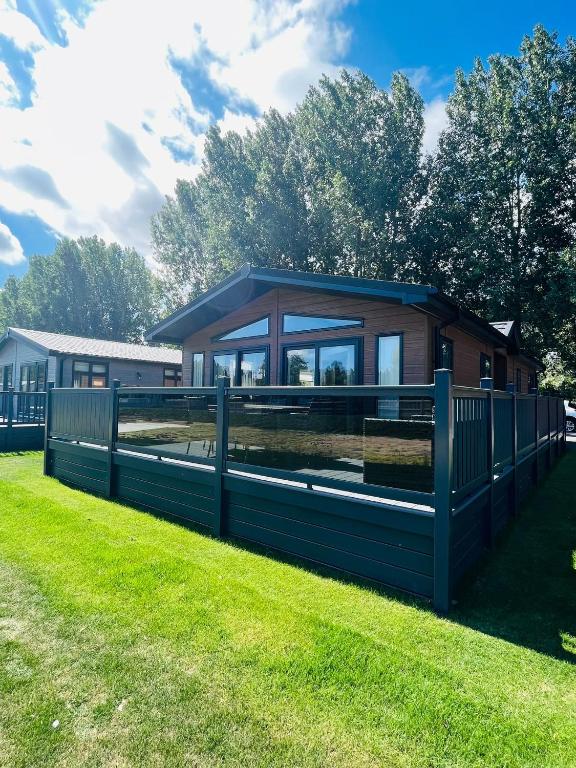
{"type": "Point", "coordinates": [221, 456]}
{"type": "Point", "coordinates": [112, 436]}
{"type": "Point", "coordinates": [488, 384]}
{"type": "Point", "coordinates": [10, 413]}
{"type": "Point", "coordinates": [47, 407]}
{"type": "Point", "coordinates": [537, 432]}
{"type": "Point", "coordinates": [511, 388]}
{"type": "Point", "coordinates": [443, 468]}
{"type": "Point", "coordinates": [549, 432]}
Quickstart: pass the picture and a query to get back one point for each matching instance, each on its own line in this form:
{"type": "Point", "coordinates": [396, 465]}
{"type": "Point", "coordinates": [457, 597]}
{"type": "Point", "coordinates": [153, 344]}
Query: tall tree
{"type": "Point", "coordinates": [85, 288]}
{"type": "Point", "coordinates": [341, 185]}
{"type": "Point", "coordinates": [331, 187]}
{"type": "Point", "coordinates": [501, 206]}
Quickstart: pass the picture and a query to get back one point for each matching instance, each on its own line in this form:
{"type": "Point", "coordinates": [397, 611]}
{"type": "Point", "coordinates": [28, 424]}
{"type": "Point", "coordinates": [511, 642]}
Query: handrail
{"type": "Point", "coordinates": [360, 390]}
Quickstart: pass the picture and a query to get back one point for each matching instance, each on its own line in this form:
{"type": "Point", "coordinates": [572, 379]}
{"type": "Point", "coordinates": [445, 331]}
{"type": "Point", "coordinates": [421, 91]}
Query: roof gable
{"type": "Point", "coordinates": [250, 282]}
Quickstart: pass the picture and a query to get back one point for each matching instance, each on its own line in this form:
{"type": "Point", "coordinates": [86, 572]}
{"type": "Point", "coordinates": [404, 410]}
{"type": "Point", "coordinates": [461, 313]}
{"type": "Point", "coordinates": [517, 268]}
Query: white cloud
{"type": "Point", "coordinates": [435, 120]}
{"type": "Point", "coordinates": [10, 248]}
{"type": "Point", "coordinates": [8, 88]}
{"type": "Point", "coordinates": [91, 154]}
{"type": "Point", "coordinates": [19, 28]}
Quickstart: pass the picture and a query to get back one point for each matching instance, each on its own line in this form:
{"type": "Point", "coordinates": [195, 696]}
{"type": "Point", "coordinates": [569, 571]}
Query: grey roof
{"type": "Point", "coordinates": [504, 326]}
{"type": "Point", "coordinates": [77, 345]}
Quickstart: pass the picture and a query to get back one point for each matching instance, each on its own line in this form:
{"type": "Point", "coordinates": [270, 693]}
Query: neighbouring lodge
{"type": "Point", "coordinates": [279, 327]}
{"type": "Point", "coordinates": [30, 359]}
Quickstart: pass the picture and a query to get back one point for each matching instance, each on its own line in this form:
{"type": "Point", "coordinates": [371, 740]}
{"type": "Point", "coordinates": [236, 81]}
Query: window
{"type": "Point", "coordinates": [244, 368]}
{"type": "Point", "coordinates": [532, 381]}
{"type": "Point", "coordinates": [172, 377]}
{"type": "Point", "coordinates": [389, 360]}
{"type": "Point", "coordinates": [225, 365]}
{"type": "Point", "coordinates": [445, 353]}
{"type": "Point", "coordinates": [257, 328]}
{"type": "Point", "coordinates": [337, 367]}
{"type": "Point", "coordinates": [85, 374]}
{"type": "Point", "coordinates": [324, 364]}
{"type": "Point", "coordinates": [198, 369]}
{"type": "Point", "coordinates": [518, 379]}
{"type": "Point", "coordinates": [300, 367]}
{"type": "Point", "coordinates": [302, 323]}
{"type": "Point", "coordinates": [485, 366]}
{"type": "Point", "coordinates": [33, 377]}
{"type": "Point", "coordinates": [6, 376]}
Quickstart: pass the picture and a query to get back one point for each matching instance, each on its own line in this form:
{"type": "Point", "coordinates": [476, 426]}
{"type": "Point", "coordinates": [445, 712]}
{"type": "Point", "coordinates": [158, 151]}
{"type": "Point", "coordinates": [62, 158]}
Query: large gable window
{"type": "Point", "coordinates": [303, 323]}
{"type": "Point", "coordinates": [257, 328]}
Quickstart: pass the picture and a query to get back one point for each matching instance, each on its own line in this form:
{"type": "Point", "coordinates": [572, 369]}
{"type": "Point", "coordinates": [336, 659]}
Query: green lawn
{"type": "Point", "coordinates": [153, 645]}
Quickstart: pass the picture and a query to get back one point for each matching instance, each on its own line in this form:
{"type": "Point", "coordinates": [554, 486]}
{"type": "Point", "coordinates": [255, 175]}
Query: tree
{"type": "Point", "coordinates": [85, 288]}
{"type": "Point", "coordinates": [341, 185]}
{"type": "Point", "coordinates": [332, 187]}
{"type": "Point", "coordinates": [501, 204]}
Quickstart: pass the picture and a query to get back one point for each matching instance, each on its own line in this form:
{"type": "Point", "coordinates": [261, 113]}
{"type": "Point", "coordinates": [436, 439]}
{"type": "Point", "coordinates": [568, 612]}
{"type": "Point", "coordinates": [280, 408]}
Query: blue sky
{"type": "Point", "coordinates": [103, 105]}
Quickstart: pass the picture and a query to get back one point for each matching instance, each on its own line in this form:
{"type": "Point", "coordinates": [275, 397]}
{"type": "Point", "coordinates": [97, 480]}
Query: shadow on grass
{"type": "Point", "coordinates": [525, 591]}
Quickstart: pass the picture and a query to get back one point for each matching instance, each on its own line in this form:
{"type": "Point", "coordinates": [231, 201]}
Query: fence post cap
{"type": "Point", "coordinates": [511, 388]}
{"type": "Point", "coordinates": [50, 385]}
{"type": "Point", "coordinates": [223, 381]}
{"type": "Point", "coordinates": [487, 383]}
{"type": "Point", "coordinates": [115, 383]}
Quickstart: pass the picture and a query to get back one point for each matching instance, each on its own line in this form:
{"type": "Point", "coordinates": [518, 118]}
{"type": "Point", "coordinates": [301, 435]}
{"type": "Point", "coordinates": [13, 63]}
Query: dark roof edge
{"type": "Point", "coordinates": [232, 279]}
{"type": "Point", "coordinates": [409, 293]}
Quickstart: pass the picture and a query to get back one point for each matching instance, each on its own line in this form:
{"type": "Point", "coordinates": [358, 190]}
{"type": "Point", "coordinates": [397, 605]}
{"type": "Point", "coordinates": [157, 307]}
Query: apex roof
{"type": "Point", "coordinates": [64, 344]}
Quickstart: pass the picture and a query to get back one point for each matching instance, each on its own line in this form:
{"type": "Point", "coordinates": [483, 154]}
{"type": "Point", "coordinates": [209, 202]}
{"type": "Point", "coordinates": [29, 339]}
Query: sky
{"type": "Point", "coordinates": [104, 104]}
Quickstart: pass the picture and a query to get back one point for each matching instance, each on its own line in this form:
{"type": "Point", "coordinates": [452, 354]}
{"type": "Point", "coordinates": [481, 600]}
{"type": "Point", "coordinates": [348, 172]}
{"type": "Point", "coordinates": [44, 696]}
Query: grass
{"type": "Point", "coordinates": [153, 645]}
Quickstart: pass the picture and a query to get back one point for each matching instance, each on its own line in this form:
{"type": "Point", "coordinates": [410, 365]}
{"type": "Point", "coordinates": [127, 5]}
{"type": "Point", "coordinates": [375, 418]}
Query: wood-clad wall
{"type": "Point", "coordinates": [379, 318]}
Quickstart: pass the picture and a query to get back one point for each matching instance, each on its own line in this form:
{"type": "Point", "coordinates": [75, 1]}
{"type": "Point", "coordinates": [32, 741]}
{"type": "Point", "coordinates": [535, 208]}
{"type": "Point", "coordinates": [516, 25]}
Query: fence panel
{"type": "Point", "coordinates": [470, 449]}
{"type": "Point", "coordinates": [175, 423]}
{"type": "Point", "coordinates": [335, 439]}
{"type": "Point", "coordinates": [29, 407]}
{"type": "Point", "coordinates": [526, 421]}
{"type": "Point", "coordinates": [430, 519]}
{"type": "Point", "coordinates": [503, 430]}
{"type": "Point", "coordinates": [81, 414]}
{"type": "Point", "coordinates": [543, 422]}
{"type": "Point", "coordinates": [4, 407]}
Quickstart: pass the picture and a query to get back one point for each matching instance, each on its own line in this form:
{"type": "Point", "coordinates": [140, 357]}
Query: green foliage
{"type": "Point", "coordinates": [341, 186]}
{"type": "Point", "coordinates": [329, 188]}
{"type": "Point", "coordinates": [557, 379]}
{"type": "Point", "coordinates": [85, 288]}
{"type": "Point", "coordinates": [501, 208]}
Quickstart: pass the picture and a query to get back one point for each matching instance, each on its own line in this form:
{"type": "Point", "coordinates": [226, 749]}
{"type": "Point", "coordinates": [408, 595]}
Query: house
{"type": "Point", "coordinates": [272, 326]}
{"type": "Point", "coordinates": [30, 359]}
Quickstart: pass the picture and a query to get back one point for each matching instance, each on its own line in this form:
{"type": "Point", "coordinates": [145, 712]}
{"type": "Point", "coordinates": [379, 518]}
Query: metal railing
{"type": "Point", "coordinates": [22, 407]}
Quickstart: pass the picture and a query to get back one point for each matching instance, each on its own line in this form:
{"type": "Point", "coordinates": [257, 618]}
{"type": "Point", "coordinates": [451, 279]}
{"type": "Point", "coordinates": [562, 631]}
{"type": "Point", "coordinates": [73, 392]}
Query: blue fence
{"type": "Point", "coordinates": [22, 418]}
{"type": "Point", "coordinates": [406, 485]}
